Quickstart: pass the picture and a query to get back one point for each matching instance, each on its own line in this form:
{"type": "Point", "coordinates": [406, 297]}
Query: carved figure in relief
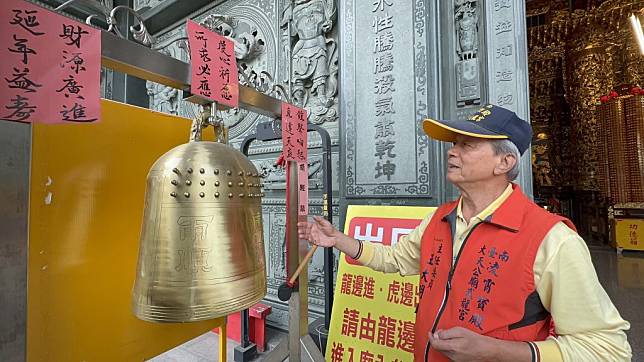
{"type": "Point", "coordinates": [466, 19]}
{"type": "Point", "coordinates": [314, 56]}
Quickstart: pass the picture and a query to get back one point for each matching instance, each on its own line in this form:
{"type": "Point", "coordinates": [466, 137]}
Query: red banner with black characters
{"type": "Point", "coordinates": [213, 65]}
{"type": "Point", "coordinates": [51, 66]}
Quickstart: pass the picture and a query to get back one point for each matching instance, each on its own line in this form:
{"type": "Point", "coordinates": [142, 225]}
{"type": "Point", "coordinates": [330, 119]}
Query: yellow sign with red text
{"type": "Point", "coordinates": [374, 313]}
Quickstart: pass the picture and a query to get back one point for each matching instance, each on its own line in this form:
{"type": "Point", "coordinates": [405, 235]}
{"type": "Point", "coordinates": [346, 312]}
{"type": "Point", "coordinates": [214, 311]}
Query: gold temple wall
{"type": "Point", "coordinates": [598, 52]}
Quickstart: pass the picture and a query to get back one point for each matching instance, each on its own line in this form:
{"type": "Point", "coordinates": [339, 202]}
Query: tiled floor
{"type": "Point", "coordinates": [621, 276]}
{"type": "Point", "coordinates": [623, 279]}
{"type": "Point", "coordinates": [205, 348]}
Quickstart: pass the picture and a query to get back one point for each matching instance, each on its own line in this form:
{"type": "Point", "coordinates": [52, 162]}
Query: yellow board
{"type": "Point", "coordinates": [629, 233]}
{"type": "Point", "coordinates": [86, 206]}
{"type": "Point", "coordinates": [374, 313]}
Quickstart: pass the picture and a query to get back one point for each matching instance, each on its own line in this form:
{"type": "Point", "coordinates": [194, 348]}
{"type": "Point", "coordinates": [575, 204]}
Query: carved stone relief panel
{"type": "Point", "coordinates": [253, 26]}
{"type": "Point", "coordinates": [389, 79]}
{"type": "Point", "coordinates": [463, 68]}
{"type": "Point", "coordinates": [314, 66]}
{"type": "Point", "coordinates": [274, 177]}
{"type": "Point", "coordinates": [138, 4]}
{"type": "Point", "coordinates": [274, 216]}
{"type": "Point", "coordinates": [468, 80]}
{"type": "Point", "coordinates": [259, 29]}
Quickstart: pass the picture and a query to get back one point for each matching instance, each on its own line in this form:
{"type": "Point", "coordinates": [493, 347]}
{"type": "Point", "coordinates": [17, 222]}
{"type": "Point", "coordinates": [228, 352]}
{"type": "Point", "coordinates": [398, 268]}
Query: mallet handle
{"type": "Point", "coordinates": [302, 264]}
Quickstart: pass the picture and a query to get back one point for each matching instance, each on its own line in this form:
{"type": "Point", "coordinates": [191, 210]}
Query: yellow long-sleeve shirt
{"type": "Point", "coordinates": [588, 325]}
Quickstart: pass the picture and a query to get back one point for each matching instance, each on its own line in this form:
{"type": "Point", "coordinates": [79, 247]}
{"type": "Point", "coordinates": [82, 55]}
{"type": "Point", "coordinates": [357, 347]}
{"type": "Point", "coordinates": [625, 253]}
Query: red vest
{"type": "Point", "coordinates": [490, 289]}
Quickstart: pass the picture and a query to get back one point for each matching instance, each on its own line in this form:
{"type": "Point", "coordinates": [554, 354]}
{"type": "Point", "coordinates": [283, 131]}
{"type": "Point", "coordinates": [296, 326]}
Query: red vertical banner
{"type": "Point", "coordinates": [303, 188]}
{"type": "Point", "coordinates": [294, 132]}
{"type": "Point", "coordinates": [213, 65]}
{"type": "Point", "coordinates": [51, 66]}
{"type": "Point", "coordinates": [294, 139]}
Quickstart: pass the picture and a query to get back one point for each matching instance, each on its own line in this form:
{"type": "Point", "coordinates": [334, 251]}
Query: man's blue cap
{"type": "Point", "coordinates": [490, 122]}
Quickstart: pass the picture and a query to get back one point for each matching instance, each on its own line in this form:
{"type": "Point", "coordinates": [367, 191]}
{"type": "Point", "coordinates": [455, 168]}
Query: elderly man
{"type": "Point", "coordinates": [501, 279]}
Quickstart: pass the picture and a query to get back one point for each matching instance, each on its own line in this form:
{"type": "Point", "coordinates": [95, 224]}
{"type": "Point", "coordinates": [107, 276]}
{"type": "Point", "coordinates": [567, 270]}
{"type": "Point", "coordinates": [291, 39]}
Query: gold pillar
{"type": "Point", "coordinates": [590, 74]}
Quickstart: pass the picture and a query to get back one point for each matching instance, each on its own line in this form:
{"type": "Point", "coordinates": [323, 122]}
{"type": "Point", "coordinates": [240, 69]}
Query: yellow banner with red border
{"type": "Point", "coordinates": [374, 313]}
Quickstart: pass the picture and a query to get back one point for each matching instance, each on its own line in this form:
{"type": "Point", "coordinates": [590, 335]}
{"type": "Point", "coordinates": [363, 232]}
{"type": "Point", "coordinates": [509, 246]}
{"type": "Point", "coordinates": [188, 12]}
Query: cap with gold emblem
{"type": "Point", "coordinates": [490, 122]}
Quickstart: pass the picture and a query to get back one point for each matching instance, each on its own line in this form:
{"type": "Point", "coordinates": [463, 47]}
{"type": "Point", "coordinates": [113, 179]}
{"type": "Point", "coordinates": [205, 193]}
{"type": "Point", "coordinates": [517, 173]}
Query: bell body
{"type": "Point", "coordinates": [201, 252]}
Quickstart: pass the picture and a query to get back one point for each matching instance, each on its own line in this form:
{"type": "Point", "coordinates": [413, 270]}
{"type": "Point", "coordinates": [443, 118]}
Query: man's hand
{"type": "Point", "coordinates": [319, 232]}
{"type": "Point", "coordinates": [461, 344]}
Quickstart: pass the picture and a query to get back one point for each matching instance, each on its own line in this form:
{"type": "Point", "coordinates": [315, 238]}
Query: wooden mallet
{"type": "Point", "coordinates": [286, 289]}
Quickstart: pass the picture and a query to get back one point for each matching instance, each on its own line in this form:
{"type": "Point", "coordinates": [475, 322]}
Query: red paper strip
{"type": "Point", "coordinates": [51, 66]}
{"type": "Point", "coordinates": [303, 188]}
{"type": "Point", "coordinates": [213, 65]}
{"type": "Point", "coordinates": [294, 132]}
{"type": "Point", "coordinates": [294, 140]}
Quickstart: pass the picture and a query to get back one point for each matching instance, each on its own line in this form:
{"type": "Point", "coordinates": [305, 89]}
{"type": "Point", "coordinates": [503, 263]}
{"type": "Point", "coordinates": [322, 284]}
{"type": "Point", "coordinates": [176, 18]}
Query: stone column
{"type": "Point", "coordinates": [507, 67]}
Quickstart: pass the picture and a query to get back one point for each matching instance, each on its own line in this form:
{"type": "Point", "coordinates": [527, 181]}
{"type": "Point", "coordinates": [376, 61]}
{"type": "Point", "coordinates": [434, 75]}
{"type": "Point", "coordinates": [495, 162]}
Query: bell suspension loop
{"type": "Point", "coordinates": [208, 117]}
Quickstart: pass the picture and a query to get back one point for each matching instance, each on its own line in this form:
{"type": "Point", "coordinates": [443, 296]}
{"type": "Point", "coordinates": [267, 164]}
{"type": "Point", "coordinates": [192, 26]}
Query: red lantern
{"type": "Point", "coordinates": [604, 99]}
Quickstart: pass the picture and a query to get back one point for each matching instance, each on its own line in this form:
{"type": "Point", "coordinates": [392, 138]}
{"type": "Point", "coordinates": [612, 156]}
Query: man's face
{"type": "Point", "coordinates": [471, 160]}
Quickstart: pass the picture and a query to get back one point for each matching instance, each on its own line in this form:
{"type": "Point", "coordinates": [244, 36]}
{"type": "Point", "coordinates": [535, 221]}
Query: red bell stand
{"type": "Point", "coordinates": [257, 324]}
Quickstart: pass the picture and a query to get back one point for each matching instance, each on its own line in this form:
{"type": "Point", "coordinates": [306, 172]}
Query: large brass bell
{"type": "Point", "coordinates": [201, 252]}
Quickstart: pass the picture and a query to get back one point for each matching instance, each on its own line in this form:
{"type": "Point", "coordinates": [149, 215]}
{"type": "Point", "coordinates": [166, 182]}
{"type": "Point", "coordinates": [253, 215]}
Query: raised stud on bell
{"type": "Point", "coordinates": [229, 172]}
{"type": "Point", "coordinates": [216, 183]}
{"type": "Point", "coordinates": [241, 195]}
{"type": "Point", "coordinates": [202, 194]}
{"type": "Point", "coordinates": [176, 170]}
{"type": "Point", "coordinates": [230, 195]}
{"type": "Point", "coordinates": [230, 184]}
{"type": "Point", "coordinates": [202, 182]}
{"type": "Point", "coordinates": [189, 170]}
{"type": "Point", "coordinates": [216, 171]}
{"type": "Point", "coordinates": [216, 194]}
{"type": "Point", "coordinates": [241, 173]}
{"type": "Point", "coordinates": [174, 182]}
{"type": "Point", "coordinates": [188, 182]}
{"type": "Point", "coordinates": [240, 184]}
{"type": "Point", "coordinates": [173, 194]}
{"type": "Point", "coordinates": [186, 194]}
{"type": "Point", "coordinates": [201, 170]}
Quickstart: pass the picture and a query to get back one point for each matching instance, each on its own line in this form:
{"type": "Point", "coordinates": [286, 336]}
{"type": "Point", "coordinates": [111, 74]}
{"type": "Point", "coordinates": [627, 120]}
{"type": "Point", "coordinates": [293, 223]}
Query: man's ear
{"type": "Point", "coordinates": [505, 164]}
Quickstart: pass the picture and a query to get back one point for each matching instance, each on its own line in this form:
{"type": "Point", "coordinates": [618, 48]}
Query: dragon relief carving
{"type": "Point", "coordinates": [274, 177]}
{"type": "Point", "coordinates": [162, 97]}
